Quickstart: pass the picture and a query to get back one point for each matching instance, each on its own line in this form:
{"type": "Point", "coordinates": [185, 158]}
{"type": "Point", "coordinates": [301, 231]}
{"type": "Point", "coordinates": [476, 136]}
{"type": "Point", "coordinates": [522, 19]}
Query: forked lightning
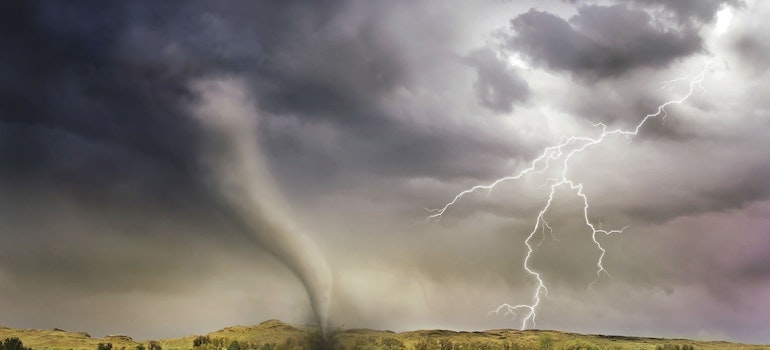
{"type": "Point", "coordinates": [562, 153]}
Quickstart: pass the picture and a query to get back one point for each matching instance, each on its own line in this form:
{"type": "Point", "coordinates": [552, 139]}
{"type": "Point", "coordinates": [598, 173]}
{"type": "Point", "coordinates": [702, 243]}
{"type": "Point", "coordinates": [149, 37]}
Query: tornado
{"type": "Point", "coordinates": [238, 171]}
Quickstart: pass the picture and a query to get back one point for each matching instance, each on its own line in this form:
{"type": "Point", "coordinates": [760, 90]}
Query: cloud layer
{"type": "Point", "coordinates": [370, 112]}
{"type": "Point", "coordinates": [601, 41]}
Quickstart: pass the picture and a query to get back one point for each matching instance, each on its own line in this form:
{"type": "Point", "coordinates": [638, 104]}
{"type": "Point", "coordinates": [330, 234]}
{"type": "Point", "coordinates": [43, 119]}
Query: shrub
{"type": "Point", "coordinates": [235, 345]}
{"type": "Point", "coordinates": [104, 346]}
{"type": "Point", "coordinates": [201, 340]}
{"type": "Point", "coordinates": [12, 344]}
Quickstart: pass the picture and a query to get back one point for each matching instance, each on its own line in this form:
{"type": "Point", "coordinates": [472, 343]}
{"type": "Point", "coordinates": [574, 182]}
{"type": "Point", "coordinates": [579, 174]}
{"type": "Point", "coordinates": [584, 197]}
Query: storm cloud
{"type": "Point", "coordinates": [497, 86]}
{"type": "Point", "coordinates": [601, 41]}
{"type": "Point", "coordinates": [370, 112]}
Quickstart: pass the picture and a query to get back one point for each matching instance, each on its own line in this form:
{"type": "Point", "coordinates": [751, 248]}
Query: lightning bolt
{"type": "Point", "coordinates": [561, 154]}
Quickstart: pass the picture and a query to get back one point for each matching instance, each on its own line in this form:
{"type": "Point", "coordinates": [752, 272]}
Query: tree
{"type": "Point", "coordinates": [153, 345]}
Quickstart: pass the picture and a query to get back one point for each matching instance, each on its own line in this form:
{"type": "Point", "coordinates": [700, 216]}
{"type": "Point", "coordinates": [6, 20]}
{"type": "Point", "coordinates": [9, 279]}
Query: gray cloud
{"type": "Point", "coordinates": [746, 40]}
{"type": "Point", "coordinates": [692, 10]}
{"type": "Point", "coordinates": [601, 41]}
{"type": "Point", "coordinates": [683, 11]}
{"type": "Point", "coordinates": [754, 51]}
{"type": "Point", "coordinates": [497, 86]}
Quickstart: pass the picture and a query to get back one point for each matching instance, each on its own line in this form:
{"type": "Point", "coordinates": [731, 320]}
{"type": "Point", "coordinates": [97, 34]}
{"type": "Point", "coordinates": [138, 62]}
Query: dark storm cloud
{"type": "Point", "coordinates": [498, 87]}
{"type": "Point", "coordinates": [93, 120]}
{"type": "Point", "coordinates": [692, 10]}
{"type": "Point", "coordinates": [684, 10]}
{"type": "Point", "coordinates": [317, 66]}
{"type": "Point", "coordinates": [601, 41]}
{"type": "Point", "coordinates": [331, 74]}
{"type": "Point", "coordinates": [115, 75]}
{"type": "Point", "coordinates": [92, 110]}
{"type": "Point", "coordinates": [74, 110]}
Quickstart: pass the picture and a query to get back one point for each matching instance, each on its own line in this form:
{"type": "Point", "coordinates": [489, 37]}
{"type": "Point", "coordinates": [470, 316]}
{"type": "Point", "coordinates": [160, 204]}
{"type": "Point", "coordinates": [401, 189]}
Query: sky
{"type": "Point", "coordinates": [172, 168]}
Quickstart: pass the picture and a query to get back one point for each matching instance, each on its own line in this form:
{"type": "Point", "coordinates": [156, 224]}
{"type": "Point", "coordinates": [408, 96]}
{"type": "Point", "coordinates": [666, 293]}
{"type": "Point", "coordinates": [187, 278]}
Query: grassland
{"type": "Point", "coordinates": [275, 335]}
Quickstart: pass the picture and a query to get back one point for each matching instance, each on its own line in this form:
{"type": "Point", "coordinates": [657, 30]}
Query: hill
{"type": "Point", "coordinates": [276, 335]}
{"type": "Point", "coordinates": [61, 339]}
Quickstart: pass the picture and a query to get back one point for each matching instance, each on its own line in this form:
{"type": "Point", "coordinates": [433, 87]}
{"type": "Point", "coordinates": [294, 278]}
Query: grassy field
{"type": "Point", "coordinates": [275, 335]}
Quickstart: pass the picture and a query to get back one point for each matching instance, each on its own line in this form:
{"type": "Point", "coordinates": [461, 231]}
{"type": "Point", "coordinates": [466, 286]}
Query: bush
{"type": "Point", "coordinates": [12, 344]}
{"type": "Point", "coordinates": [235, 345]}
{"type": "Point", "coordinates": [153, 345]}
{"type": "Point", "coordinates": [201, 340]}
{"type": "Point", "coordinates": [104, 346]}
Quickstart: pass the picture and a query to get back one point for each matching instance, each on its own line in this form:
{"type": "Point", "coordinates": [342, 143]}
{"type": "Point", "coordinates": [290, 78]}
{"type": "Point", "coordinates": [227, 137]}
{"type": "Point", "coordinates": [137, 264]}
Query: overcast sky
{"type": "Point", "coordinates": [365, 113]}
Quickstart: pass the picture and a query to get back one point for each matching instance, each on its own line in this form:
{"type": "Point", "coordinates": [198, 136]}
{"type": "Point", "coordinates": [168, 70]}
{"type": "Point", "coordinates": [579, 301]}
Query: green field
{"type": "Point", "coordinates": [275, 335]}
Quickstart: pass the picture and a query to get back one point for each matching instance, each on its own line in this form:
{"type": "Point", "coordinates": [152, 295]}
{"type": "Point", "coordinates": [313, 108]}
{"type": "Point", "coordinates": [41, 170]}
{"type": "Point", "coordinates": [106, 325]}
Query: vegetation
{"type": "Point", "coordinates": [201, 340]}
{"type": "Point", "coordinates": [12, 344]}
{"type": "Point", "coordinates": [546, 342]}
{"type": "Point", "coordinates": [675, 347]}
{"type": "Point", "coordinates": [154, 345]}
{"type": "Point", "coordinates": [274, 335]}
